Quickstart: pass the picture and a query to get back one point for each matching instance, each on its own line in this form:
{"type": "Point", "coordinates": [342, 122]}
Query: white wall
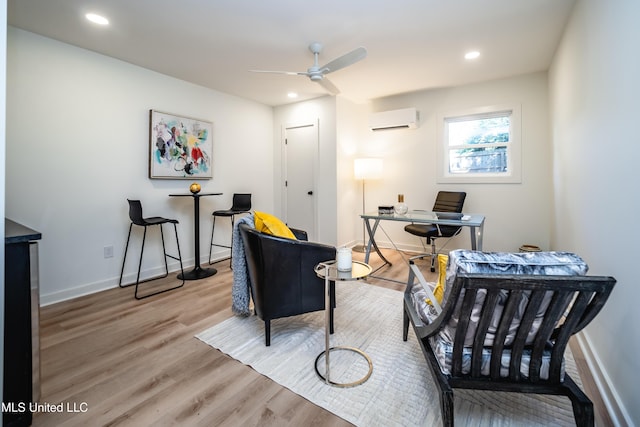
{"type": "Point", "coordinates": [78, 132]}
{"type": "Point", "coordinates": [352, 133]}
{"type": "Point", "coordinates": [594, 90]}
{"type": "Point", "coordinates": [515, 213]}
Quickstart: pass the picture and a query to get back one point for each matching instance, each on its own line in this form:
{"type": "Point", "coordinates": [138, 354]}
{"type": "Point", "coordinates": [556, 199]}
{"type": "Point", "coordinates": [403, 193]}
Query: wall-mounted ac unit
{"type": "Point", "coordinates": [406, 118]}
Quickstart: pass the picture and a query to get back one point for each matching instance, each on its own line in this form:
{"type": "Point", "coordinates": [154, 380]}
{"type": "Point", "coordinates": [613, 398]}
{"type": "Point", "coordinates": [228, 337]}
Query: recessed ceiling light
{"type": "Point", "coordinates": [472, 55]}
{"type": "Point", "coordinates": [97, 19]}
{"type": "Point", "coordinates": [292, 95]}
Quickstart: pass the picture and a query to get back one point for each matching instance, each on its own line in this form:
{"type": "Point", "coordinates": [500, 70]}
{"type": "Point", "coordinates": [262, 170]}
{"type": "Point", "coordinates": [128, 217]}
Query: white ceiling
{"type": "Point", "coordinates": [411, 44]}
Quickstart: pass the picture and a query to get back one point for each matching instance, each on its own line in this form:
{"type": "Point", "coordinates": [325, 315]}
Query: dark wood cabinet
{"type": "Point", "coordinates": [21, 326]}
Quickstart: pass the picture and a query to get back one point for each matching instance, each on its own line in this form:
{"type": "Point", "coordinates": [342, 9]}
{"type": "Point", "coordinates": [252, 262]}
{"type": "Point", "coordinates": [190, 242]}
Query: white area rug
{"type": "Point", "coordinates": [400, 392]}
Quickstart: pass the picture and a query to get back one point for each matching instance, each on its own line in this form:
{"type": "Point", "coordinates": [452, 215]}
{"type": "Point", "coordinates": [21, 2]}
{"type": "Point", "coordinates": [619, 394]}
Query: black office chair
{"type": "Point", "coordinates": [135, 214]}
{"type": "Point", "coordinates": [446, 201]}
{"type": "Point", "coordinates": [241, 204]}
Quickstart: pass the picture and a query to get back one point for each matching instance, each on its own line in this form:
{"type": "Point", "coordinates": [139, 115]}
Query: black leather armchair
{"type": "Point", "coordinates": [283, 282]}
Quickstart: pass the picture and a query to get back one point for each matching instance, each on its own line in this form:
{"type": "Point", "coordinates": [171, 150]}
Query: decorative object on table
{"type": "Point", "coordinates": [400, 208]}
{"type": "Point", "coordinates": [385, 210]}
{"type": "Point", "coordinates": [446, 202]}
{"type": "Point", "coordinates": [506, 321]}
{"type": "Point", "coordinates": [343, 259]}
{"type": "Point", "coordinates": [135, 215]}
{"type": "Point", "coordinates": [195, 188]}
{"type": "Point", "coordinates": [366, 168]}
{"type": "Point", "coordinates": [241, 204]}
{"type": "Point", "coordinates": [529, 248]}
{"type": "Point", "coordinates": [179, 147]}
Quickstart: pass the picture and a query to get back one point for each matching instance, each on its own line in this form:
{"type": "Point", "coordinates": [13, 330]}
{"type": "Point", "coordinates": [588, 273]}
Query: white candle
{"type": "Point", "coordinates": [343, 257]}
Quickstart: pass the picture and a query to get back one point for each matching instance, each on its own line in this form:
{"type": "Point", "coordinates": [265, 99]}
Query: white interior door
{"type": "Point", "coordinates": [301, 148]}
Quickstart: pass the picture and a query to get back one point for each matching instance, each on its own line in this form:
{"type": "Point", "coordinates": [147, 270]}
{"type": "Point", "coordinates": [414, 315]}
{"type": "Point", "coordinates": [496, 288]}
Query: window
{"type": "Point", "coordinates": [480, 146]}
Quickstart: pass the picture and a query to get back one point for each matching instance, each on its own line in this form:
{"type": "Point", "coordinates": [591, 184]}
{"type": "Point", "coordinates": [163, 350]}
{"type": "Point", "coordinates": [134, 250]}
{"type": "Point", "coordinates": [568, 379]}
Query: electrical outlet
{"type": "Point", "coordinates": [108, 251]}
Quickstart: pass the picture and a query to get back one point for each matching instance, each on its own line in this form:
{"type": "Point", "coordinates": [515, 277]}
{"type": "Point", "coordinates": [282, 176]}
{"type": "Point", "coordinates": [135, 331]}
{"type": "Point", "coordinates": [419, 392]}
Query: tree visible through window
{"type": "Point", "coordinates": [478, 145]}
{"type": "Point", "coordinates": [481, 145]}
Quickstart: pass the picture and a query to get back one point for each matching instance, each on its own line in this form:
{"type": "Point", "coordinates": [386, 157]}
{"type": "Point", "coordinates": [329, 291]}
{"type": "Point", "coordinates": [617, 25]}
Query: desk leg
{"type": "Point", "coordinates": [197, 272]}
{"type": "Point", "coordinates": [472, 230]}
{"type": "Point", "coordinates": [372, 242]}
{"type": "Point", "coordinates": [476, 238]}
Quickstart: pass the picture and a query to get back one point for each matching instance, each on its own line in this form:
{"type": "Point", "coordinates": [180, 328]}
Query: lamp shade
{"type": "Point", "coordinates": [367, 168]}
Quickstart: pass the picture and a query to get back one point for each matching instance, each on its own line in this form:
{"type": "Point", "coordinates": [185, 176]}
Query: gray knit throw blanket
{"type": "Point", "coordinates": [240, 290]}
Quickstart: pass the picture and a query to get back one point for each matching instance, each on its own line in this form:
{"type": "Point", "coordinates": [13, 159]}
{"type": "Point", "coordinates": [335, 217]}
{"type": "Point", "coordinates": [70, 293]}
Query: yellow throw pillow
{"type": "Point", "coordinates": [438, 291]}
{"type": "Point", "coordinates": [442, 274]}
{"type": "Point", "coordinates": [269, 224]}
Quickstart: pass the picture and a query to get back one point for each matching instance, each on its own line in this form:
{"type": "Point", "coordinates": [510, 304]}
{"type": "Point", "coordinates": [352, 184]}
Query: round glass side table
{"type": "Point", "coordinates": [329, 272]}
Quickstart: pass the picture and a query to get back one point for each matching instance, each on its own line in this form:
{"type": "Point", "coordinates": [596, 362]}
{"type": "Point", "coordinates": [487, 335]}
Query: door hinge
{"type": "Point", "coordinates": [286, 183]}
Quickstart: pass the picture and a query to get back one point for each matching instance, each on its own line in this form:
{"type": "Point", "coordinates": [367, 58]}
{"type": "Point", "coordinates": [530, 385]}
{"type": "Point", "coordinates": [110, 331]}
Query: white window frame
{"type": "Point", "coordinates": [514, 147]}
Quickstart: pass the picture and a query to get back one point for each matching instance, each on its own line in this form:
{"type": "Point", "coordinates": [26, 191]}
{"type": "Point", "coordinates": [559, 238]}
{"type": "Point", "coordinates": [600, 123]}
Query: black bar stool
{"type": "Point", "coordinates": [135, 214]}
{"type": "Point", "coordinates": [241, 204]}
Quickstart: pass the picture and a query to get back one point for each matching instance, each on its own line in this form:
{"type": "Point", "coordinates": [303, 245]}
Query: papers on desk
{"type": "Point", "coordinates": [453, 215]}
{"type": "Point", "coordinates": [448, 215]}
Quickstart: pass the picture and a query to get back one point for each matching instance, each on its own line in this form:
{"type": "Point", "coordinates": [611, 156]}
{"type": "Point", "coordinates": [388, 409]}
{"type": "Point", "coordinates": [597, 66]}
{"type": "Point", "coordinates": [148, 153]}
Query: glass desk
{"type": "Point", "coordinates": [330, 273]}
{"type": "Point", "coordinates": [372, 221]}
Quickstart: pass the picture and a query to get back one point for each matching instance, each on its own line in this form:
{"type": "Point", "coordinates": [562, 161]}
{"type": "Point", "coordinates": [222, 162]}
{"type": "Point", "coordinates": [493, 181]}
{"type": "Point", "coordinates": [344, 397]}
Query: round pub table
{"type": "Point", "coordinates": [329, 272]}
{"type": "Point", "coordinates": [197, 272]}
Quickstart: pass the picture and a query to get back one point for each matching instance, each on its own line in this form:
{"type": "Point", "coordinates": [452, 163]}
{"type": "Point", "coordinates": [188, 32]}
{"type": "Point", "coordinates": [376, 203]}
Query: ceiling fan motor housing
{"type": "Point", "coordinates": [315, 47]}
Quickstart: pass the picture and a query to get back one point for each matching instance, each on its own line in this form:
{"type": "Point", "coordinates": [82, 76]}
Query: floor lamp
{"type": "Point", "coordinates": [366, 168]}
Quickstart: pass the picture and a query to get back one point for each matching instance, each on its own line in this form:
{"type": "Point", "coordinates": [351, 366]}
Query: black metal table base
{"type": "Point", "coordinates": [198, 273]}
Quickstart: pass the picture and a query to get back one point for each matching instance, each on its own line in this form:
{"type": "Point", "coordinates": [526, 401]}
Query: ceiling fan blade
{"type": "Point", "coordinates": [330, 87]}
{"type": "Point", "coordinates": [345, 60]}
{"type": "Point", "coordinates": [290, 73]}
{"type": "Point", "coordinates": [316, 73]}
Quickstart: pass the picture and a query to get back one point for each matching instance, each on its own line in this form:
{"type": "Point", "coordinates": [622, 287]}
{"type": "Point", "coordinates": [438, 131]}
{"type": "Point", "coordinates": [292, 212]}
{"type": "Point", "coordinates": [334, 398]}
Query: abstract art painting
{"type": "Point", "coordinates": [180, 147]}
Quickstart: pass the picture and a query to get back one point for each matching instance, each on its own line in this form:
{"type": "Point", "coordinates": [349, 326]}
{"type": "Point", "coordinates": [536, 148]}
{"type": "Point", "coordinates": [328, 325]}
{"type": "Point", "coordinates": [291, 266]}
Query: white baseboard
{"type": "Point", "coordinates": [618, 414]}
{"type": "Point", "coordinates": [79, 291]}
{"type": "Point", "coordinates": [103, 285]}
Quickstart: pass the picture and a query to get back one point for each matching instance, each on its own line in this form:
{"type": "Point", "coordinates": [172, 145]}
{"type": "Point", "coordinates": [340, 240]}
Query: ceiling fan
{"type": "Point", "coordinates": [317, 73]}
